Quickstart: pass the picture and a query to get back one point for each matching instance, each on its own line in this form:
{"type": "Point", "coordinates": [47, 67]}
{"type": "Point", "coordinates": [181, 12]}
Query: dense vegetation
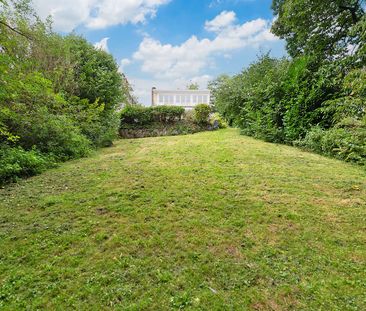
{"type": "Point", "coordinates": [136, 116]}
{"type": "Point", "coordinates": [315, 98]}
{"type": "Point", "coordinates": [58, 95]}
{"type": "Point", "coordinates": [139, 121]}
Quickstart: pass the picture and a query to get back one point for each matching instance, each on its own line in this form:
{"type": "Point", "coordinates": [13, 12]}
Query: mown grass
{"type": "Point", "coordinates": [211, 221]}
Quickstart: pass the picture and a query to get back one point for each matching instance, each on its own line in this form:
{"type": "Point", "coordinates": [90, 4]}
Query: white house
{"type": "Point", "coordinates": [184, 98]}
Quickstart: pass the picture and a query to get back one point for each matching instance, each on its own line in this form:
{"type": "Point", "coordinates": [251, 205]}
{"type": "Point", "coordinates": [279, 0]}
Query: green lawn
{"type": "Point", "coordinates": [211, 221]}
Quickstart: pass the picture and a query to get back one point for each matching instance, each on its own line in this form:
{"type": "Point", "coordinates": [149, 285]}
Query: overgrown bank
{"type": "Point", "coordinates": [316, 98]}
{"type": "Point", "coordinates": [58, 94]}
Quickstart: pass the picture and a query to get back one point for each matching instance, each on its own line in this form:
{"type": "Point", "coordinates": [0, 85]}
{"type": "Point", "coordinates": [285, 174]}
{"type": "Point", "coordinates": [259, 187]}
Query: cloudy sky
{"type": "Point", "coordinates": [168, 43]}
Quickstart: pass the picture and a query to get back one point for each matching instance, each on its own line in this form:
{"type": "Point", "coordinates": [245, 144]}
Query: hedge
{"type": "Point", "coordinates": [141, 116]}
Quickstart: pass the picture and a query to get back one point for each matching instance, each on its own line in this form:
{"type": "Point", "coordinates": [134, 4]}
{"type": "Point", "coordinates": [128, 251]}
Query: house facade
{"type": "Point", "coordinates": [184, 98]}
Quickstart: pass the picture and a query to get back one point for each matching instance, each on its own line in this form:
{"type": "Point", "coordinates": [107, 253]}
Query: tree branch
{"type": "Point", "coordinates": [15, 30]}
{"type": "Point", "coordinates": [353, 12]}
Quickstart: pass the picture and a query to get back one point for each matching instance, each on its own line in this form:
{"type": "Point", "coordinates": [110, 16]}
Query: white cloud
{"type": "Point", "coordinates": [102, 45]}
{"type": "Point", "coordinates": [221, 21]}
{"type": "Point", "coordinates": [124, 63]}
{"type": "Point", "coordinates": [166, 61]}
{"type": "Point", "coordinates": [69, 14]}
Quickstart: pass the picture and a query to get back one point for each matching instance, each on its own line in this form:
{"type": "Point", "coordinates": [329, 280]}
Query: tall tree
{"type": "Point", "coordinates": [322, 27]}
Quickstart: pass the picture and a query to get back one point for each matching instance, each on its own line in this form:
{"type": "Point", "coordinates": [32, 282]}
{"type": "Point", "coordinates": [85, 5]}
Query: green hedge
{"type": "Point", "coordinates": [167, 113]}
{"type": "Point", "coordinates": [138, 116]}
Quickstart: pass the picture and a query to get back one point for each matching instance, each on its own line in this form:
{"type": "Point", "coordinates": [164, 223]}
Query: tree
{"type": "Point", "coordinates": [58, 95]}
{"type": "Point", "coordinates": [96, 73]}
{"type": "Point", "coordinates": [193, 86]}
{"type": "Point", "coordinates": [320, 27]}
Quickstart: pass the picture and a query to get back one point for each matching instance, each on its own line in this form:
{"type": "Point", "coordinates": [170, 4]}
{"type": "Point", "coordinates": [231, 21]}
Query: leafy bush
{"type": "Point", "coordinates": [15, 162]}
{"type": "Point", "coordinates": [219, 119]}
{"type": "Point", "coordinates": [100, 126]}
{"type": "Point", "coordinates": [54, 134]}
{"type": "Point", "coordinates": [346, 141]}
{"type": "Point", "coordinates": [202, 113]}
{"type": "Point", "coordinates": [138, 116]}
{"type": "Point", "coordinates": [167, 113]}
{"type": "Point", "coordinates": [105, 131]}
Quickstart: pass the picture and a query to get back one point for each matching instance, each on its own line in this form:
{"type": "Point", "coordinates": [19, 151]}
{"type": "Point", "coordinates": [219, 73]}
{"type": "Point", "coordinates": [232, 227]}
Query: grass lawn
{"type": "Point", "coordinates": [211, 221]}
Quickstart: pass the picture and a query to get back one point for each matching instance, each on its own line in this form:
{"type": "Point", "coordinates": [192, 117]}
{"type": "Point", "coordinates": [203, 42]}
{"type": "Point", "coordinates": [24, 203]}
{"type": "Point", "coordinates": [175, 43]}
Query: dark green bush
{"type": "Point", "coordinates": [167, 113]}
{"type": "Point", "coordinates": [202, 113]}
{"type": "Point", "coordinates": [139, 116]}
{"type": "Point", "coordinates": [15, 162]}
{"type": "Point", "coordinates": [136, 115]}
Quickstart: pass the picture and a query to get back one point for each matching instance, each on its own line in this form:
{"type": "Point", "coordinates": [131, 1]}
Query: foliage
{"type": "Point", "coordinates": [346, 139]}
{"type": "Point", "coordinates": [314, 92]}
{"type": "Point", "coordinates": [225, 94]}
{"type": "Point", "coordinates": [138, 121]}
{"type": "Point", "coordinates": [96, 73]}
{"type": "Point", "coordinates": [252, 99]}
{"type": "Point", "coordinates": [322, 27]}
{"type": "Point", "coordinates": [167, 113]}
{"type": "Point", "coordinates": [179, 127]}
{"type": "Point", "coordinates": [346, 142]}
{"type": "Point", "coordinates": [211, 221]}
{"type": "Point", "coordinates": [216, 117]}
{"type": "Point", "coordinates": [201, 113]}
{"type": "Point", "coordinates": [58, 95]}
{"type": "Point", "coordinates": [193, 86]}
{"type": "Point", "coordinates": [15, 162]}
{"type": "Point", "coordinates": [136, 115]}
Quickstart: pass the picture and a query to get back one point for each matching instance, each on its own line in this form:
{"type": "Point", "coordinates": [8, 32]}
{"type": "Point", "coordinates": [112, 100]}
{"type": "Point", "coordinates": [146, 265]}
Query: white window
{"type": "Point", "coordinates": [205, 99]}
{"type": "Point", "coordinates": [194, 99]}
{"type": "Point", "coordinates": [161, 99]}
{"type": "Point", "coordinates": [177, 99]}
{"type": "Point", "coordinates": [200, 99]}
{"type": "Point", "coordinates": [188, 99]}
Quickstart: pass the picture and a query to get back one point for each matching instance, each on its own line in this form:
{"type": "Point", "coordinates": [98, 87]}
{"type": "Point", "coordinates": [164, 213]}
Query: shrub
{"type": "Point", "coordinates": [139, 116]}
{"type": "Point", "coordinates": [136, 115]}
{"type": "Point", "coordinates": [202, 113]}
{"type": "Point", "coordinates": [219, 119]}
{"type": "Point", "coordinates": [103, 130]}
{"type": "Point", "coordinates": [189, 116]}
{"type": "Point", "coordinates": [54, 134]}
{"type": "Point", "coordinates": [167, 113]}
{"type": "Point", "coordinates": [15, 162]}
{"type": "Point", "coordinates": [345, 141]}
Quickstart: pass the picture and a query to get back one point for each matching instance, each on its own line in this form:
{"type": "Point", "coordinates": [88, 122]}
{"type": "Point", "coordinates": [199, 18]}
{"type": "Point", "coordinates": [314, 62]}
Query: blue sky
{"type": "Point", "coordinates": [168, 43]}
